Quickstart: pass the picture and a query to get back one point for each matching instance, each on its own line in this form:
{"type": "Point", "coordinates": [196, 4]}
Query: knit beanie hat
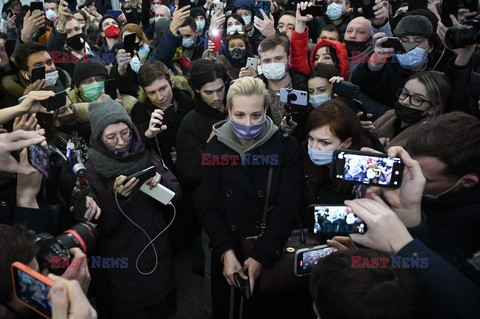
{"type": "Point", "coordinates": [87, 68]}
{"type": "Point", "coordinates": [414, 25]}
{"type": "Point", "coordinates": [195, 12]}
{"type": "Point", "coordinates": [105, 112]}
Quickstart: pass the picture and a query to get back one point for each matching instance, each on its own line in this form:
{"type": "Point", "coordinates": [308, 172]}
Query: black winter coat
{"type": "Point", "coordinates": [233, 199]}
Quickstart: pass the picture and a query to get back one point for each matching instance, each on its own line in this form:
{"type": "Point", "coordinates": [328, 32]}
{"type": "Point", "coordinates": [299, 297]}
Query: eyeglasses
{"type": "Point", "coordinates": [113, 140]}
{"type": "Point", "coordinates": [415, 99]}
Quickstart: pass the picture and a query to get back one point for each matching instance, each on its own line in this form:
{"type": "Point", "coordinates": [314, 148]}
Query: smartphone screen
{"type": "Point", "coordinates": [142, 175]}
{"type": "Point", "coordinates": [336, 219]}
{"type": "Point", "coordinates": [265, 5]}
{"type": "Point", "coordinates": [39, 158]}
{"type": "Point", "coordinates": [129, 43]}
{"type": "Point", "coordinates": [38, 73]}
{"type": "Point", "coordinates": [367, 168]}
{"type": "Point", "coordinates": [307, 258]}
{"type": "Point", "coordinates": [32, 289]}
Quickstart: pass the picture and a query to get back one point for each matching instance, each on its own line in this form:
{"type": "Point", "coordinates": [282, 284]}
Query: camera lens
{"type": "Point", "coordinates": [83, 235]}
{"type": "Point", "coordinates": [463, 35]}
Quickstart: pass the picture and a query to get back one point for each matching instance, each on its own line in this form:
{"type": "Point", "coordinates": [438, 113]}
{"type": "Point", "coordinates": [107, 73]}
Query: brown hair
{"type": "Point", "coordinates": [152, 71]}
{"type": "Point", "coordinates": [132, 27]}
{"type": "Point", "coordinates": [270, 43]}
{"type": "Point", "coordinates": [452, 138]}
{"type": "Point", "coordinates": [342, 120]}
{"type": "Point", "coordinates": [438, 89]}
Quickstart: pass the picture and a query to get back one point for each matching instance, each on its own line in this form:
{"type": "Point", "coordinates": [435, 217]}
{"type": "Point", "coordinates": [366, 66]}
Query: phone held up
{"type": "Point", "coordinates": [335, 219]}
{"type": "Point", "coordinates": [39, 158]}
{"type": "Point", "coordinates": [367, 168]}
{"type": "Point", "coordinates": [307, 258]}
{"type": "Point", "coordinates": [31, 288]}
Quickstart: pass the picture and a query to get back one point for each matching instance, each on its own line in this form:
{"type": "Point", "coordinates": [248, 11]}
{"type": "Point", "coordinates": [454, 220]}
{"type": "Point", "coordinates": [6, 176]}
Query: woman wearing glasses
{"type": "Point", "coordinates": [424, 95]}
{"type": "Point", "coordinates": [139, 287]}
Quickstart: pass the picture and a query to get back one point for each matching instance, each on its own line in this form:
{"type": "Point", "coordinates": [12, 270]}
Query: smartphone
{"type": "Point", "coordinates": [39, 158]}
{"type": "Point", "coordinates": [265, 5]}
{"type": "Point", "coordinates": [55, 102]}
{"type": "Point", "coordinates": [296, 97]}
{"type": "Point", "coordinates": [367, 168]}
{"type": "Point", "coordinates": [31, 288]}
{"type": "Point", "coordinates": [142, 175]}
{"type": "Point", "coordinates": [114, 13]}
{"type": "Point", "coordinates": [346, 89]}
{"type": "Point", "coordinates": [398, 45]}
{"type": "Point", "coordinates": [183, 3]}
{"type": "Point", "coordinates": [129, 43]}
{"type": "Point", "coordinates": [168, 115]}
{"type": "Point", "coordinates": [307, 258]}
{"type": "Point", "coordinates": [252, 62]}
{"type": "Point", "coordinates": [38, 73]}
{"type": "Point", "coordinates": [36, 6]}
{"type": "Point", "coordinates": [218, 6]}
{"type": "Point", "coordinates": [111, 88]}
{"type": "Point", "coordinates": [216, 37]}
{"type": "Point", "coordinates": [316, 10]}
{"type": "Point", "coordinates": [367, 9]}
{"type": "Point", "coordinates": [72, 5]}
{"type": "Point", "coordinates": [335, 219]}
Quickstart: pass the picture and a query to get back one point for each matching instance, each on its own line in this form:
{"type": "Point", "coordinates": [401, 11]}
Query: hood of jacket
{"type": "Point", "coordinates": [342, 56]}
{"type": "Point", "coordinates": [245, 4]}
{"type": "Point", "coordinates": [223, 131]}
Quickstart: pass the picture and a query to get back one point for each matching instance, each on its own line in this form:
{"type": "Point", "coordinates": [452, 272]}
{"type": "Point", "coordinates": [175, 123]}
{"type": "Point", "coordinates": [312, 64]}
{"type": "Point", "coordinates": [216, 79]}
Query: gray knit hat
{"type": "Point", "coordinates": [87, 68]}
{"type": "Point", "coordinates": [104, 113]}
{"type": "Point", "coordinates": [414, 25]}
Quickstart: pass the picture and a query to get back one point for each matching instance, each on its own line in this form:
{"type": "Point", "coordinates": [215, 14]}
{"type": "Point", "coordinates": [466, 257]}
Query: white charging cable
{"type": "Point", "coordinates": [150, 241]}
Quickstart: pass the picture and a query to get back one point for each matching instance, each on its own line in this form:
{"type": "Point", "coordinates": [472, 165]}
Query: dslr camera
{"type": "Point", "coordinates": [463, 35]}
{"type": "Point", "coordinates": [83, 235]}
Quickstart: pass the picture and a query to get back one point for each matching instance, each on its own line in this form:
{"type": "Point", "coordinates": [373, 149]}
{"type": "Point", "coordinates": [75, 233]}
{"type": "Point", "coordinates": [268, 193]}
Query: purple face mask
{"type": "Point", "coordinates": [246, 132]}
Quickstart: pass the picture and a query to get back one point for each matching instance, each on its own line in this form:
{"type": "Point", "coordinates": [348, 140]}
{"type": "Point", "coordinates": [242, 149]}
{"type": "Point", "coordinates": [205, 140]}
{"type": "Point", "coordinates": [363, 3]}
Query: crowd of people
{"type": "Point", "coordinates": [237, 107]}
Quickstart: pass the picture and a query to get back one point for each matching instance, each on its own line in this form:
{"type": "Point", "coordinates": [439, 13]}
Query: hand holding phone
{"type": "Point", "coordinates": [307, 258]}
{"type": "Point", "coordinates": [31, 288]}
{"type": "Point", "coordinates": [39, 158]}
{"type": "Point", "coordinates": [346, 89]}
{"type": "Point", "coordinates": [142, 175]}
{"type": "Point", "coordinates": [252, 63]}
{"type": "Point", "coordinates": [38, 73]}
{"type": "Point", "coordinates": [129, 43]}
{"type": "Point", "coordinates": [216, 37]}
{"type": "Point", "coordinates": [243, 285]}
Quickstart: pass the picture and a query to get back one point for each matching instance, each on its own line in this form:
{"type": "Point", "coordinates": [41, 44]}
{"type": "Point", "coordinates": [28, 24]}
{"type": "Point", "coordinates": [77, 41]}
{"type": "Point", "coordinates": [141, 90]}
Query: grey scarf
{"type": "Point", "coordinates": [110, 167]}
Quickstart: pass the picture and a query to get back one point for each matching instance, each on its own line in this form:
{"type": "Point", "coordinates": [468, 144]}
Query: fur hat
{"type": "Point", "coordinates": [106, 112]}
{"type": "Point", "coordinates": [414, 25]}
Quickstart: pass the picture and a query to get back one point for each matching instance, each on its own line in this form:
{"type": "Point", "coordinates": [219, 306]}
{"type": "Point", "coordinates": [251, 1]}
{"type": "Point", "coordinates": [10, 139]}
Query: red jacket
{"type": "Point", "coordinates": [299, 50]}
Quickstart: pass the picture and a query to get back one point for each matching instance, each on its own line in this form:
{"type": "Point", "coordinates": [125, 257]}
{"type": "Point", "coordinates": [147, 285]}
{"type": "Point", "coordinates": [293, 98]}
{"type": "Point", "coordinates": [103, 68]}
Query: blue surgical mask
{"type": "Point", "coordinates": [247, 132]}
{"type": "Point", "coordinates": [200, 25]}
{"type": "Point", "coordinates": [334, 11]}
{"type": "Point", "coordinates": [51, 78]}
{"type": "Point", "coordinates": [412, 59]}
{"type": "Point", "coordinates": [92, 91]}
{"type": "Point", "coordinates": [247, 20]}
{"type": "Point", "coordinates": [319, 99]}
{"type": "Point", "coordinates": [187, 43]}
{"type": "Point", "coordinates": [318, 157]}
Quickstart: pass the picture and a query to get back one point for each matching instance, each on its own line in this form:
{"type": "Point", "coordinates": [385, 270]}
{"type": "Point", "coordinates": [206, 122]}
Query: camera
{"type": "Point", "coordinates": [83, 235]}
{"type": "Point", "coordinates": [463, 35]}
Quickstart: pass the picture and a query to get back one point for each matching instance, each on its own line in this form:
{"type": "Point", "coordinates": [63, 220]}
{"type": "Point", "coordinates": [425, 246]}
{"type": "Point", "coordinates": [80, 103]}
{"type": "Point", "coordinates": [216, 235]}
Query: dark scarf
{"type": "Point", "coordinates": [110, 166]}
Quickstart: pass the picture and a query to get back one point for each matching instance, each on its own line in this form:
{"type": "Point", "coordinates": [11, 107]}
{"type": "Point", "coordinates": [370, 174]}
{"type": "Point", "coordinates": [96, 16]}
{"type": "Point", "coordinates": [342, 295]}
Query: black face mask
{"type": "Point", "coordinates": [407, 114]}
{"type": "Point", "coordinates": [238, 54]}
{"type": "Point", "coordinates": [77, 42]}
{"type": "Point", "coordinates": [68, 123]}
{"type": "Point", "coordinates": [353, 46]}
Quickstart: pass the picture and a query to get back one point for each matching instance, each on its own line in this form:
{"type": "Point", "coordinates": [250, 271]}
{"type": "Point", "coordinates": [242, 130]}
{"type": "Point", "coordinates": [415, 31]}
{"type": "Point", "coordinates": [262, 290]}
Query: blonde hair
{"type": "Point", "coordinates": [248, 86]}
{"type": "Point", "coordinates": [132, 27]}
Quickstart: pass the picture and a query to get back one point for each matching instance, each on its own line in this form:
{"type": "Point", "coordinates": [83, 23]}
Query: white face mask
{"type": "Point", "coordinates": [51, 14]}
{"type": "Point", "coordinates": [234, 28]}
{"type": "Point", "coordinates": [274, 71]}
{"type": "Point", "coordinates": [51, 78]}
{"type": "Point", "coordinates": [247, 20]}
